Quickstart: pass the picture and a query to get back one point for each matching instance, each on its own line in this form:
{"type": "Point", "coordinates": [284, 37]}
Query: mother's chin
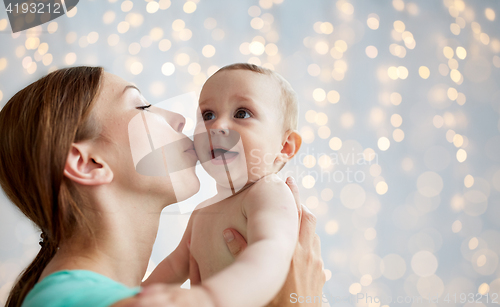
{"type": "Point", "coordinates": [185, 183]}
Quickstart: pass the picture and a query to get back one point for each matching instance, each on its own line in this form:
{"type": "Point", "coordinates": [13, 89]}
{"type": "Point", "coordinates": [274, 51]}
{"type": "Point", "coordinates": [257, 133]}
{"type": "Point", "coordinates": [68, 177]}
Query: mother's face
{"type": "Point", "coordinates": [144, 146]}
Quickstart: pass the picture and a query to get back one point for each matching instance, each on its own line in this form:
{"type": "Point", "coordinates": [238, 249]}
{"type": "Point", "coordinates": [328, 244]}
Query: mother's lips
{"type": "Point", "coordinates": [192, 151]}
{"type": "Point", "coordinates": [189, 148]}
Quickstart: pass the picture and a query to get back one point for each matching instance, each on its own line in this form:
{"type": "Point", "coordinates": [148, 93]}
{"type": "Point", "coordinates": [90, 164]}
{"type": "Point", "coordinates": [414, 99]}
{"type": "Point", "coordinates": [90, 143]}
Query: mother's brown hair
{"type": "Point", "coordinates": [37, 127]}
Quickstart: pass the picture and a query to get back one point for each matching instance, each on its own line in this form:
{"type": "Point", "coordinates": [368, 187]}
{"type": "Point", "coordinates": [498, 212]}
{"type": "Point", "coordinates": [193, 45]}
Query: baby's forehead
{"type": "Point", "coordinates": [244, 83]}
{"type": "Point", "coordinates": [263, 90]}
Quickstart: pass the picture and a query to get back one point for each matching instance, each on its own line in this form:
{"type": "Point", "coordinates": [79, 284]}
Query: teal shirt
{"type": "Point", "coordinates": [77, 288]}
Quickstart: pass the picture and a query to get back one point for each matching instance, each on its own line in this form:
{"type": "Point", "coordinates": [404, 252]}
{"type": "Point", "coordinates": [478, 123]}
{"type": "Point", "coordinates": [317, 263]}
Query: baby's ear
{"type": "Point", "coordinates": [291, 144]}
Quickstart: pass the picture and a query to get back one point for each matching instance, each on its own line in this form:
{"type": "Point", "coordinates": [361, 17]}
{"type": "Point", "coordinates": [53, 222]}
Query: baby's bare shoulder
{"type": "Point", "coordinates": [269, 196]}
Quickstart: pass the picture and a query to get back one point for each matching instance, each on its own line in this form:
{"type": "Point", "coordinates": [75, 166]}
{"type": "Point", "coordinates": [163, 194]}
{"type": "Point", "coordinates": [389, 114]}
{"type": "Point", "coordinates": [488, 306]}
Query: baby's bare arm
{"type": "Point", "coordinates": [272, 229]}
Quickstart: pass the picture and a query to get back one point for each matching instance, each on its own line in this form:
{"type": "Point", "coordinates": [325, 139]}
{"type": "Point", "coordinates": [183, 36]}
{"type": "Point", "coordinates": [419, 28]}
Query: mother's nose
{"type": "Point", "coordinates": [175, 120]}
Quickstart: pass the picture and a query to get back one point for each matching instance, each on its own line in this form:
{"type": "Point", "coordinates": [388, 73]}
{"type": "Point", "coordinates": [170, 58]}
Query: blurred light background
{"type": "Point", "coordinates": [399, 113]}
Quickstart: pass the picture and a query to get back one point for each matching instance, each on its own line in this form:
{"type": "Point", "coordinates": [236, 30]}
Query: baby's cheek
{"type": "Point", "coordinates": [200, 128]}
{"type": "Point", "coordinates": [200, 136]}
{"type": "Point", "coordinates": [258, 163]}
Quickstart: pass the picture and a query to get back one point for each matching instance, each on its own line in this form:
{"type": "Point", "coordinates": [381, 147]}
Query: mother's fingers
{"type": "Point", "coordinates": [295, 191]}
{"type": "Point", "coordinates": [154, 295]}
{"type": "Point", "coordinates": [234, 241]}
{"type": "Point", "coordinates": [307, 230]}
{"type": "Point", "coordinates": [194, 271]}
{"type": "Point", "coordinates": [317, 249]}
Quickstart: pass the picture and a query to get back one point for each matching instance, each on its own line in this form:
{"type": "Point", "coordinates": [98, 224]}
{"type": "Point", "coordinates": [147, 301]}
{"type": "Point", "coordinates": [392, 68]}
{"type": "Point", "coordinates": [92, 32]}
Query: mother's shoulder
{"type": "Point", "coordinates": [77, 288]}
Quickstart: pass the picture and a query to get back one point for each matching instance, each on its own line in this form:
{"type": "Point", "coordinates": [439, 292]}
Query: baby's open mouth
{"type": "Point", "coordinates": [220, 154]}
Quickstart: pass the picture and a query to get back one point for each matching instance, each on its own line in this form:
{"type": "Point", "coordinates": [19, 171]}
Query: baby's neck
{"type": "Point", "coordinates": [224, 192]}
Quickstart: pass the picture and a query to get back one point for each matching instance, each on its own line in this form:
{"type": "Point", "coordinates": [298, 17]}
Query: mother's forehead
{"type": "Point", "coordinates": [113, 82]}
{"type": "Point", "coordinates": [113, 87]}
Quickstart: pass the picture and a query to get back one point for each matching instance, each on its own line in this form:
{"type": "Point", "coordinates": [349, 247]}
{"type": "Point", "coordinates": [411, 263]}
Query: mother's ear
{"type": "Point", "coordinates": [291, 144]}
{"type": "Point", "coordinates": [85, 168]}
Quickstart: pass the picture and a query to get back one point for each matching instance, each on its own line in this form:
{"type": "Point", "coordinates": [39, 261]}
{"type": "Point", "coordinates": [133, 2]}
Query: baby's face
{"type": "Point", "coordinates": [241, 112]}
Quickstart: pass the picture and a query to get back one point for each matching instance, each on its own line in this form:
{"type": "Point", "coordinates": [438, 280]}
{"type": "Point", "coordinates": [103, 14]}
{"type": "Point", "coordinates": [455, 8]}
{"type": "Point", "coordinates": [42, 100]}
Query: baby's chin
{"type": "Point", "coordinates": [234, 179]}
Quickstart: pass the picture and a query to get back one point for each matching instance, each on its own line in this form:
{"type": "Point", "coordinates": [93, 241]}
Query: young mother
{"type": "Point", "coordinates": [66, 163]}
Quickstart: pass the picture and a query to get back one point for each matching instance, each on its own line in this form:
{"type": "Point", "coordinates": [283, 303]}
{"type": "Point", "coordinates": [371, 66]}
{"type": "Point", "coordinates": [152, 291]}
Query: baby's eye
{"type": "Point", "coordinates": [242, 113]}
{"type": "Point", "coordinates": [209, 115]}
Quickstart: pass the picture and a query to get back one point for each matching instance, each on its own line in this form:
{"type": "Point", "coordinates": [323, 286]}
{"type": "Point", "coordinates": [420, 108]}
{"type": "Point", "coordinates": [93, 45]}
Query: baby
{"type": "Point", "coordinates": [249, 118]}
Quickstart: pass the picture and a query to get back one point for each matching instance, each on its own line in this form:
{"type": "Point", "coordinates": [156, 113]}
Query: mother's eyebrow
{"type": "Point", "coordinates": [131, 86]}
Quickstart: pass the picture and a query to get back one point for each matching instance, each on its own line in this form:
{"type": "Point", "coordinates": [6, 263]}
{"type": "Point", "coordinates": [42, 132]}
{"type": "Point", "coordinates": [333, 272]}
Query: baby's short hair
{"type": "Point", "coordinates": [289, 100]}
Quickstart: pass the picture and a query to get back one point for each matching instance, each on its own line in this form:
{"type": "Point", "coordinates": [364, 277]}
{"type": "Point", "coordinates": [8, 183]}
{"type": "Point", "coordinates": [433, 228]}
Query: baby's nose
{"type": "Point", "coordinates": [219, 132]}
